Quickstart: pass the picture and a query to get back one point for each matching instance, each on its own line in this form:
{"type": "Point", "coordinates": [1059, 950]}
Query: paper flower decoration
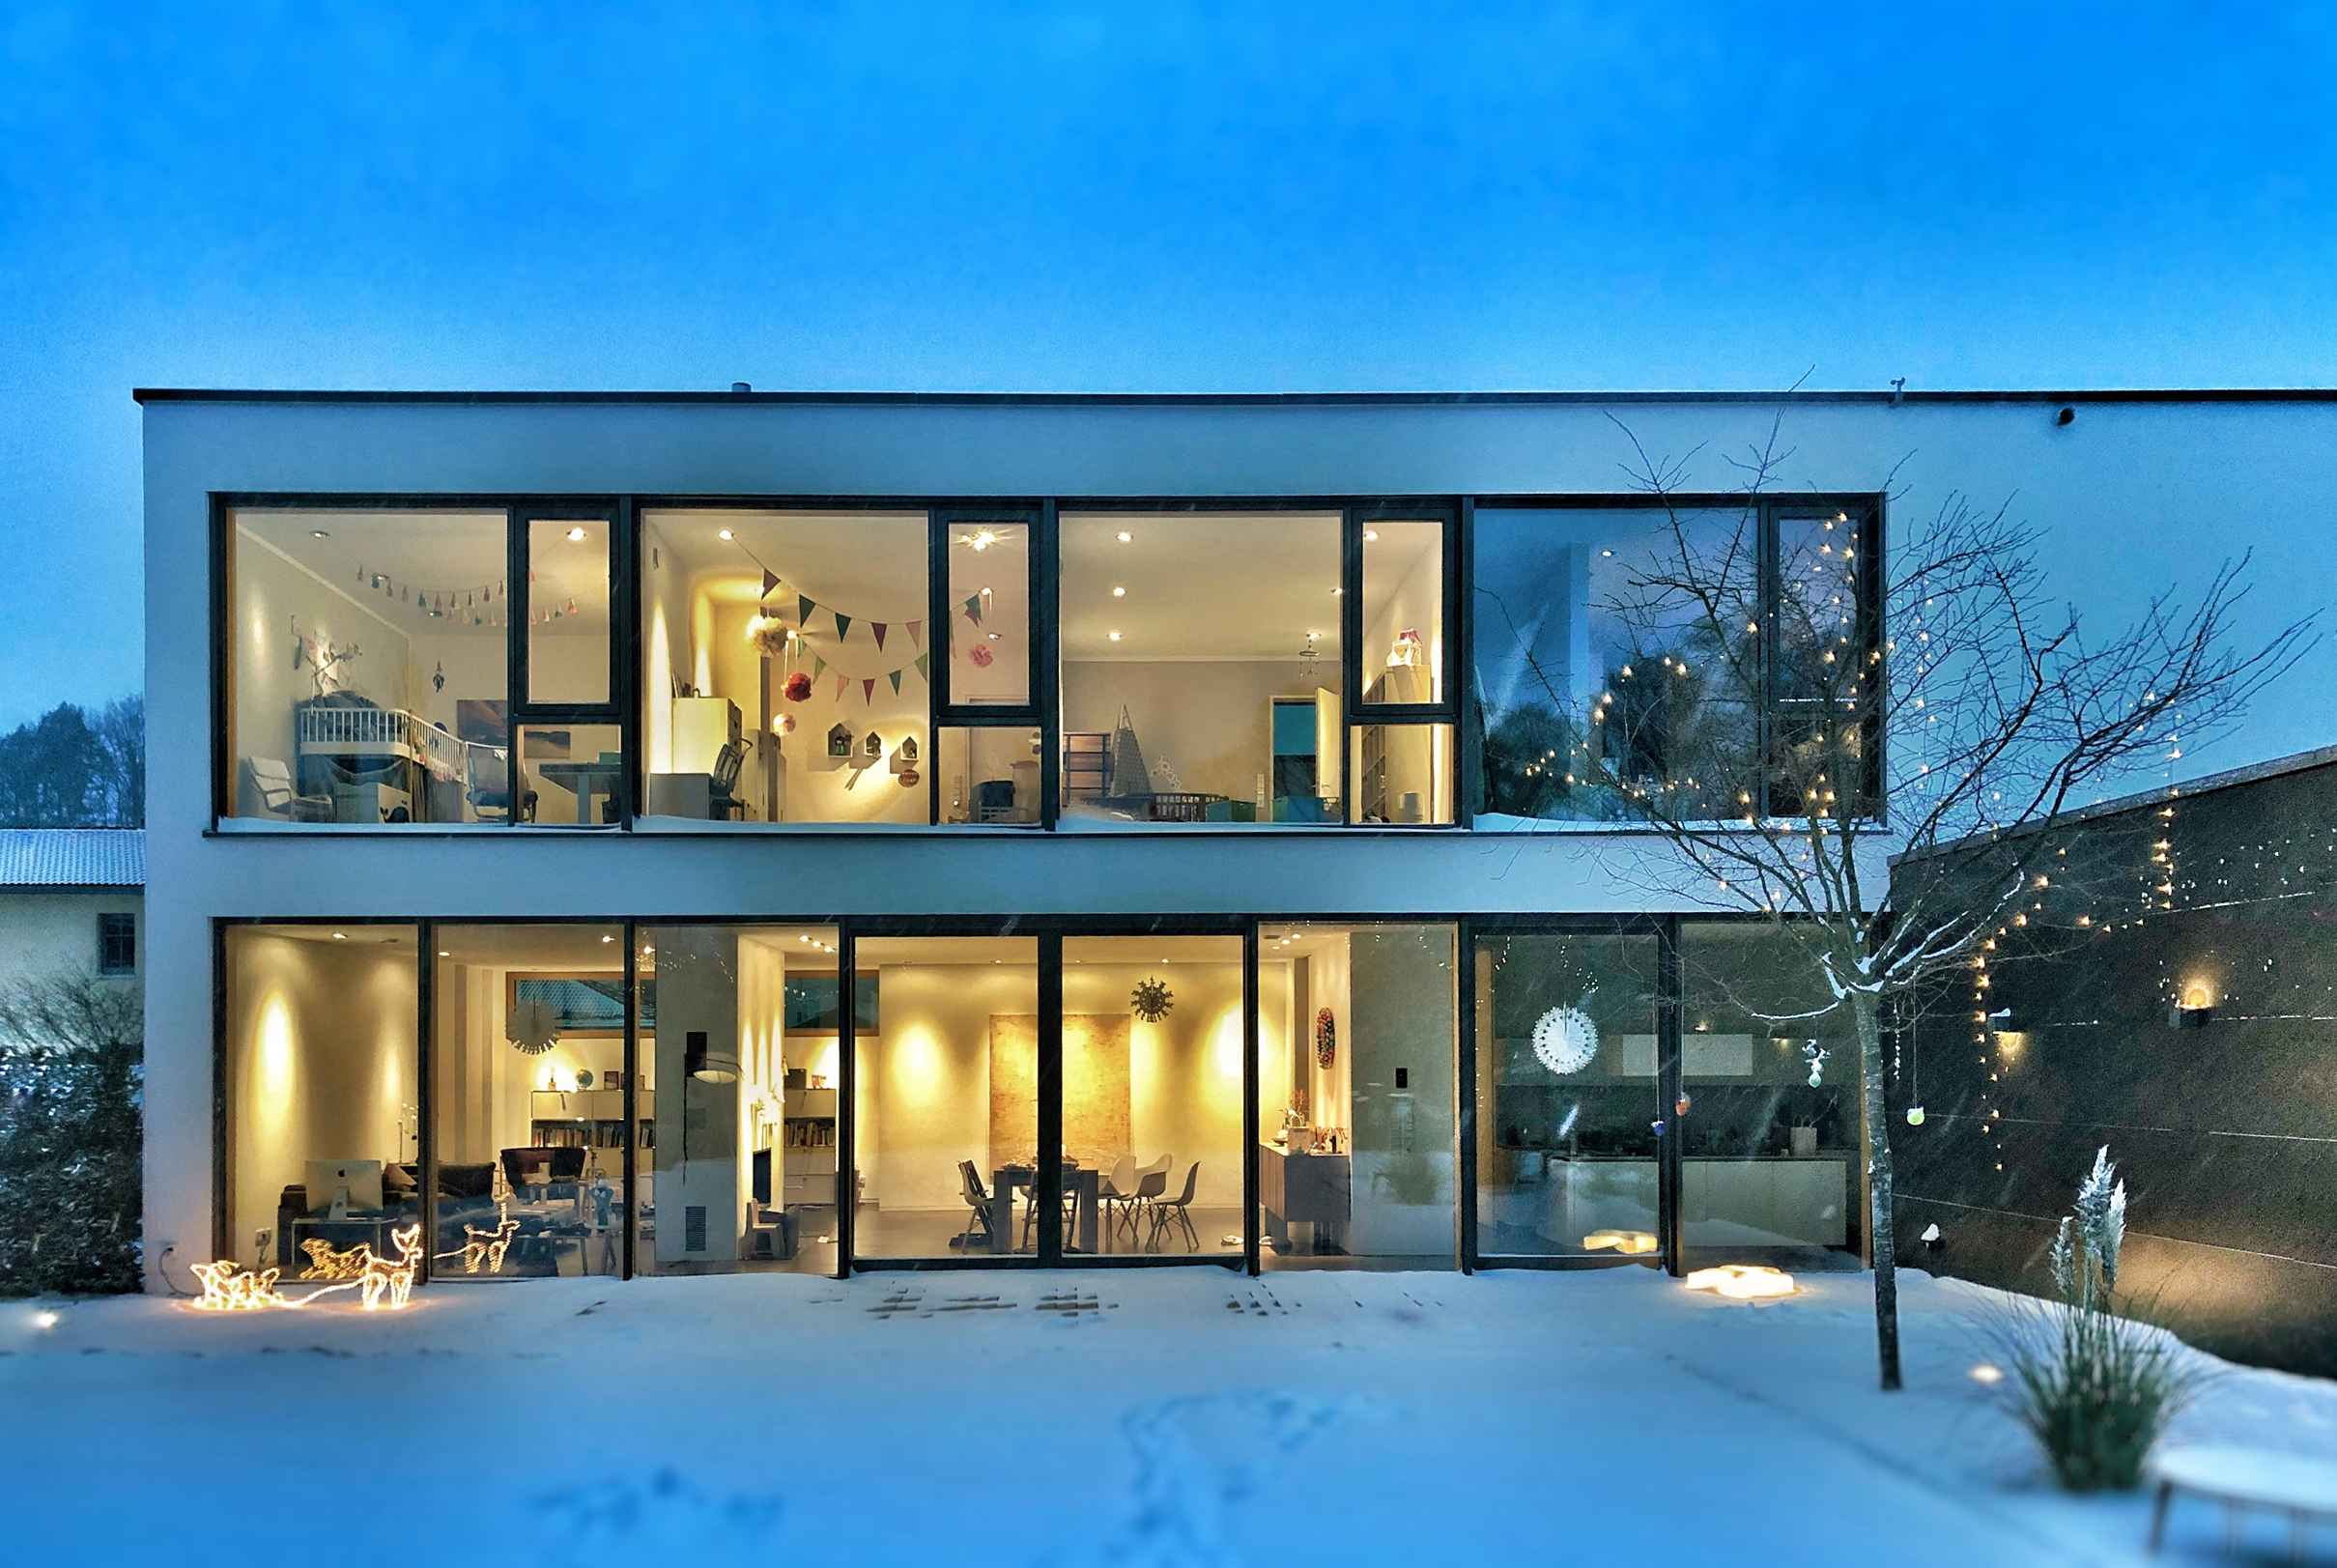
{"type": "Point", "coordinates": [532, 1026]}
{"type": "Point", "coordinates": [1152, 999]}
{"type": "Point", "coordinates": [1565, 1040]}
{"type": "Point", "coordinates": [786, 724]}
{"type": "Point", "coordinates": [1327, 1037]}
{"type": "Point", "coordinates": [980, 655]}
{"type": "Point", "coordinates": [799, 687]}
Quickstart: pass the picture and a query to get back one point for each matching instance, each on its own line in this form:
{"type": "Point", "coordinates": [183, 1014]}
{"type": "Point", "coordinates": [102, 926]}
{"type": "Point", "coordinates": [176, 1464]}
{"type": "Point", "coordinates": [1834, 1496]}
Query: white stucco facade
{"type": "Point", "coordinates": [2139, 479]}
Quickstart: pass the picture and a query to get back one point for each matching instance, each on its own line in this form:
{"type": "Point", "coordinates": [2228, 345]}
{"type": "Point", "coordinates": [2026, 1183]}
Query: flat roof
{"type": "Point", "coordinates": [2210, 394]}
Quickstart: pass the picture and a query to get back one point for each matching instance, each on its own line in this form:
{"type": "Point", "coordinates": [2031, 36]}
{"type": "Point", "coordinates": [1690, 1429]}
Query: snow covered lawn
{"type": "Point", "coordinates": [1148, 1417]}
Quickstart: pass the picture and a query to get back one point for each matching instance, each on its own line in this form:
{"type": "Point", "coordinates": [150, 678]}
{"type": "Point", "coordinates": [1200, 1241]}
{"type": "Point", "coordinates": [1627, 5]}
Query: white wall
{"type": "Point", "coordinates": [271, 594]}
{"type": "Point", "coordinates": [2132, 496]}
{"type": "Point", "coordinates": [1211, 721]}
{"type": "Point", "coordinates": [50, 933]}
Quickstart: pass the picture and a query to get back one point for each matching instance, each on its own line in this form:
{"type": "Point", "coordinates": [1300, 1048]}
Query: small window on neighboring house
{"type": "Point", "coordinates": [117, 944]}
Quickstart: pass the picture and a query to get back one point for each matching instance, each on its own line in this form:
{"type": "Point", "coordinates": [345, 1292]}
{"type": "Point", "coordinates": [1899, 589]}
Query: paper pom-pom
{"type": "Point", "coordinates": [980, 655]}
{"type": "Point", "coordinates": [786, 724]}
{"type": "Point", "coordinates": [799, 687]}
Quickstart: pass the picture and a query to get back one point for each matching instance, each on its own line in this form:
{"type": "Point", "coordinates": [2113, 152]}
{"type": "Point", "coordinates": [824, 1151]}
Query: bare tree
{"type": "Point", "coordinates": [1764, 667]}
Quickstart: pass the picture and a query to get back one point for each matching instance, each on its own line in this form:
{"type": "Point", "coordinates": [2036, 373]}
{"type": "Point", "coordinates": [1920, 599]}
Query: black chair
{"type": "Point", "coordinates": [721, 792]}
{"type": "Point", "coordinates": [978, 1201]}
{"type": "Point", "coordinates": [1070, 1203]}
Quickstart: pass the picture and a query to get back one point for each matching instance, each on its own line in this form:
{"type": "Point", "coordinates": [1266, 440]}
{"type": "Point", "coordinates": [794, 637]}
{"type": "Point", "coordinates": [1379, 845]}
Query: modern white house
{"type": "Point", "coordinates": [70, 902]}
{"type": "Point", "coordinates": [675, 832]}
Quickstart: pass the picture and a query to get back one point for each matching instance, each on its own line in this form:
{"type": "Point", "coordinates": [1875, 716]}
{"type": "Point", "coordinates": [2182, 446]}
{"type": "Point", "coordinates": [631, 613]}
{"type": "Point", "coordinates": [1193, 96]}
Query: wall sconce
{"type": "Point", "coordinates": [2195, 1008]}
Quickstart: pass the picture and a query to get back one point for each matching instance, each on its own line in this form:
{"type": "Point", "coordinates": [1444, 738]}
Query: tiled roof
{"type": "Point", "coordinates": [73, 857]}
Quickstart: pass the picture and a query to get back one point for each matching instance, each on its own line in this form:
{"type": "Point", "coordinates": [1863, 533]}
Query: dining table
{"type": "Point", "coordinates": [1084, 1182]}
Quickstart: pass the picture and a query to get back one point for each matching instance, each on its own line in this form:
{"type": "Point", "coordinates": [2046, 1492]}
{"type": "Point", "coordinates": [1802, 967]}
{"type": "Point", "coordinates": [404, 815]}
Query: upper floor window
{"type": "Point", "coordinates": [422, 664]}
{"type": "Point", "coordinates": [117, 944]}
{"type": "Point", "coordinates": [867, 668]}
{"type": "Point", "coordinates": [1712, 658]}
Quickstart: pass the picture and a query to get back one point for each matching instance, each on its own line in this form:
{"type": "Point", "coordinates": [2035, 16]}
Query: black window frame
{"type": "Point", "coordinates": [1865, 510]}
{"type": "Point", "coordinates": [1356, 714]}
{"type": "Point", "coordinates": [117, 929]}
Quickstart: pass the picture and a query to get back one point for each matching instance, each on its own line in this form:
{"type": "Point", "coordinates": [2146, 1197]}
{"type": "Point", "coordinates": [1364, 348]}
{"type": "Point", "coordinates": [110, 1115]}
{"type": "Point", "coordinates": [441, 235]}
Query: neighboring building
{"type": "Point", "coordinates": [69, 902]}
{"type": "Point", "coordinates": [2187, 1026]}
{"type": "Point", "coordinates": [682, 832]}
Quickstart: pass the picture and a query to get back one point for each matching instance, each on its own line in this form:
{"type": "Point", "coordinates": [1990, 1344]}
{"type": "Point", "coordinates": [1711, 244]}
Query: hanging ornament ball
{"type": "Point", "coordinates": [908, 778]}
{"type": "Point", "coordinates": [799, 687]}
{"type": "Point", "coordinates": [980, 655]}
{"type": "Point", "coordinates": [1327, 1037]}
{"type": "Point", "coordinates": [1681, 1104]}
{"type": "Point", "coordinates": [1914, 1115]}
{"type": "Point", "coordinates": [786, 724]}
{"type": "Point", "coordinates": [1565, 1040]}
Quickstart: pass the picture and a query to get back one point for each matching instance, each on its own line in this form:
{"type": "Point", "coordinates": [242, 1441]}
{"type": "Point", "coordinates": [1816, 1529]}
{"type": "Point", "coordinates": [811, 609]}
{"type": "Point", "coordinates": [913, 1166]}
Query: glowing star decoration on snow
{"type": "Point", "coordinates": [1631, 1243]}
{"type": "Point", "coordinates": [1565, 1040]}
{"type": "Point", "coordinates": [1743, 1281]}
{"type": "Point", "coordinates": [227, 1288]}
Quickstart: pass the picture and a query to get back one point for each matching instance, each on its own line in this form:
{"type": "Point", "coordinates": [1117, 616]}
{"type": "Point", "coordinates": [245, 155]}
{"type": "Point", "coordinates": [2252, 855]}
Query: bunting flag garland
{"type": "Point", "coordinates": [800, 645]}
{"type": "Point", "coordinates": [841, 681]}
{"type": "Point", "coordinates": [917, 634]}
{"type": "Point", "coordinates": [803, 609]}
{"type": "Point", "coordinates": [878, 627]}
{"type": "Point", "coordinates": [895, 677]}
{"type": "Point", "coordinates": [819, 667]}
{"type": "Point", "coordinates": [844, 624]}
{"type": "Point", "coordinates": [924, 665]}
{"type": "Point", "coordinates": [472, 605]}
{"type": "Point", "coordinates": [770, 582]}
{"type": "Point", "coordinates": [868, 690]}
{"type": "Point", "coordinates": [973, 610]}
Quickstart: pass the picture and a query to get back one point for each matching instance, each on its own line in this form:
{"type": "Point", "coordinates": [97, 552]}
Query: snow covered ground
{"type": "Point", "coordinates": [1153, 1417]}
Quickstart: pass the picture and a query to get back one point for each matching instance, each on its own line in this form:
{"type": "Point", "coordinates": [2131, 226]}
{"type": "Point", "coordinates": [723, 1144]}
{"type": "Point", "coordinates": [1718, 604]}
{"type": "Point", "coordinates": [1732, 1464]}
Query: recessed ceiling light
{"type": "Point", "coordinates": [443, 953]}
{"type": "Point", "coordinates": [318, 534]}
{"type": "Point", "coordinates": [1120, 592]}
{"type": "Point", "coordinates": [340, 936]}
{"type": "Point", "coordinates": [1126, 537]}
{"type": "Point", "coordinates": [993, 636]}
{"type": "Point", "coordinates": [724, 535]}
{"type": "Point", "coordinates": [1335, 593]}
{"type": "Point", "coordinates": [605, 940]}
{"type": "Point", "coordinates": [1370, 536]}
{"type": "Point", "coordinates": [576, 534]}
{"type": "Point", "coordinates": [1607, 554]}
{"type": "Point", "coordinates": [1114, 636]}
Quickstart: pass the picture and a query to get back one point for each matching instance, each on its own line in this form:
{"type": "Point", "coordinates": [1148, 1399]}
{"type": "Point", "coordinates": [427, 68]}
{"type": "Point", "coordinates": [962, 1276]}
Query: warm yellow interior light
{"type": "Point", "coordinates": [1742, 1281]}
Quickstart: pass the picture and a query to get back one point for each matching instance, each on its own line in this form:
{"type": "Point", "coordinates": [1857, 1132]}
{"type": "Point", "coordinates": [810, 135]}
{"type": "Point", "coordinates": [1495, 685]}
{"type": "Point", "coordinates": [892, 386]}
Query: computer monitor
{"type": "Point", "coordinates": [359, 1181]}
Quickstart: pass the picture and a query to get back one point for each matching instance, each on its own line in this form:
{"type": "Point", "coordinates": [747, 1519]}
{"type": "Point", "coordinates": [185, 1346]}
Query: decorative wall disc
{"type": "Point", "coordinates": [1565, 1040]}
{"type": "Point", "coordinates": [532, 1027]}
{"type": "Point", "coordinates": [1152, 999]}
{"type": "Point", "coordinates": [1327, 1037]}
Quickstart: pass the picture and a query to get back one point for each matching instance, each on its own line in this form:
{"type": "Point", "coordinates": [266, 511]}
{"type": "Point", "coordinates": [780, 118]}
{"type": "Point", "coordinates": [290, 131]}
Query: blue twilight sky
{"type": "Point", "coordinates": [1164, 197]}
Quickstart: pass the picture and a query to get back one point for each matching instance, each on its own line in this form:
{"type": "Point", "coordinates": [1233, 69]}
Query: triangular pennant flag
{"type": "Point", "coordinates": [878, 627]}
{"type": "Point", "coordinates": [819, 667]}
{"type": "Point", "coordinates": [840, 684]}
{"type": "Point", "coordinates": [917, 633]}
{"type": "Point", "coordinates": [803, 610]}
{"type": "Point", "coordinates": [974, 610]}
{"type": "Point", "coordinates": [844, 624]}
{"type": "Point", "coordinates": [770, 582]}
{"type": "Point", "coordinates": [868, 689]}
{"type": "Point", "coordinates": [924, 665]}
{"type": "Point", "coordinates": [895, 677]}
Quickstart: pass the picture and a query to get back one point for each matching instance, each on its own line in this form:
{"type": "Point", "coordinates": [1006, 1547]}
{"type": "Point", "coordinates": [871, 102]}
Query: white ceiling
{"type": "Point", "coordinates": [1201, 585]}
{"type": "Point", "coordinates": [459, 551]}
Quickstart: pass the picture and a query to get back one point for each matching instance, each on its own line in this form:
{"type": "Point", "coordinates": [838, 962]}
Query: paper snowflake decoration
{"type": "Point", "coordinates": [533, 1027]}
{"type": "Point", "coordinates": [1565, 1040]}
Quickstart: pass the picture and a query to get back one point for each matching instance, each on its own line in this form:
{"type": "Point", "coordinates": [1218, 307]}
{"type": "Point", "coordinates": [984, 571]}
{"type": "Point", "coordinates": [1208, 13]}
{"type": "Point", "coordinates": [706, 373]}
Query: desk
{"type": "Point", "coordinates": [588, 779]}
{"type": "Point", "coordinates": [1084, 1183]}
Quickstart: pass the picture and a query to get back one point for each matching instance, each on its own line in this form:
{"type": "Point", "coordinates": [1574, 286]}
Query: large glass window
{"type": "Point", "coordinates": [368, 670]}
{"type": "Point", "coordinates": [1567, 1095]}
{"type": "Point", "coordinates": [1357, 1028]}
{"type": "Point", "coordinates": [527, 1042]}
{"type": "Point", "coordinates": [1618, 655]}
{"type": "Point", "coordinates": [322, 1087]}
{"type": "Point", "coordinates": [945, 1124]}
{"type": "Point", "coordinates": [1194, 645]}
{"type": "Point", "coordinates": [568, 622]}
{"type": "Point", "coordinates": [744, 1057]}
{"type": "Point", "coordinates": [1769, 1143]}
{"type": "Point", "coordinates": [990, 609]}
{"type": "Point", "coordinates": [786, 660]}
{"type": "Point", "coordinates": [1152, 1094]}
